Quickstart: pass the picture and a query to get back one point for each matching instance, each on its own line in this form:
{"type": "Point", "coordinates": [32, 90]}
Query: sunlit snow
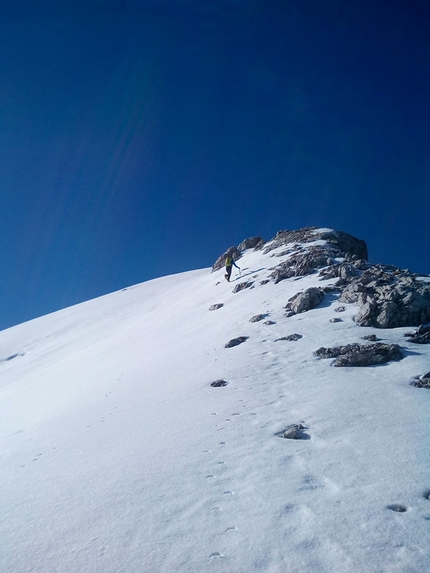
{"type": "Point", "coordinates": [117, 455]}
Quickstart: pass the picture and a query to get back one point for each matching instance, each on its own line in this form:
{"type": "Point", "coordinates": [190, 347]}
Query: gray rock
{"type": "Point", "coordinates": [338, 240]}
{"type": "Point", "coordinates": [257, 317]}
{"type": "Point", "coordinates": [336, 320]}
{"type": "Point", "coordinates": [269, 322]}
{"type": "Point", "coordinates": [304, 301]}
{"type": "Point", "coordinates": [236, 341]}
{"type": "Point", "coordinates": [362, 355]}
{"type": "Point", "coordinates": [219, 383]}
{"type": "Point", "coordinates": [423, 381]}
{"type": "Point", "coordinates": [292, 432]}
{"type": "Point", "coordinates": [421, 339]}
{"type": "Point", "coordinates": [336, 350]}
{"type": "Point", "coordinates": [216, 306]}
{"type": "Point", "coordinates": [220, 262]}
{"type": "Point", "coordinates": [371, 337]}
{"type": "Point", "coordinates": [340, 309]}
{"type": "Point", "coordinates": [347, 270]}
{"type": "Point", "coordinates": [291, 337]}
{"type": "Point", "coordinates": [251, 243]}
{"type": "Point", "coordinates": [388, 298]}
{"type": "Point", "coordinates": [242, 286]}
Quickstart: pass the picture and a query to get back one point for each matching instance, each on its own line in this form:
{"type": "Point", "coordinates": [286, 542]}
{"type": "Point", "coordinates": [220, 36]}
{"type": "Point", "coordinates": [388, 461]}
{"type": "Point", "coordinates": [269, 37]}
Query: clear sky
{"type": "Point", "coordinates": [143, 138]}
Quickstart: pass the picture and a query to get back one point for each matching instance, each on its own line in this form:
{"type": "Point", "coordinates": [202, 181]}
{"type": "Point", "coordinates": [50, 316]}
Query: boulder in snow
{"type": "Point", "coordinates": [304, 301]}
{"type": "Point", "coordinates": [219, 383]}
{"type": "Point", "coordinates": [361, 355]}
{"type": "Point", "coordinates": [236, 341]}
{"type": "Point", "coordinates": [293, 432]}
{"type": "Point", "coordinates": [242, 286]}
{"type": "Point", "coordinates": [257, 317]}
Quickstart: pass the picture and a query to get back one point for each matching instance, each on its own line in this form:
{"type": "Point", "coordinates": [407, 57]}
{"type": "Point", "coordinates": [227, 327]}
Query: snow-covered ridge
{"type": "Point", "coordinates": [119, 455]}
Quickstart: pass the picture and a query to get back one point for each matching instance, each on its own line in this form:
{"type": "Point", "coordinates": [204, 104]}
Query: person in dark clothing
{"type": "Point", "coordinates": [229, 262]}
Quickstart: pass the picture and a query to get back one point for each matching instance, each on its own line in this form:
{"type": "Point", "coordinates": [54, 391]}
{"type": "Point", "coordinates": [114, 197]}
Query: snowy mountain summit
{"type": "Point", "coordinates": [277, 423]}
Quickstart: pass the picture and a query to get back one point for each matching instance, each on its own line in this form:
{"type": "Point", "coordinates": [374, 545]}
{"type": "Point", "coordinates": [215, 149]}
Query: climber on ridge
{"type": "Point", "coordinates": [228, 267]}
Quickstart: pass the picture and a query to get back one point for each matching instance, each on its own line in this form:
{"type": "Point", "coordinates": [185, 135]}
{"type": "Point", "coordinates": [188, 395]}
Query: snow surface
{"type": "Point", "coordinates": [118, 456]}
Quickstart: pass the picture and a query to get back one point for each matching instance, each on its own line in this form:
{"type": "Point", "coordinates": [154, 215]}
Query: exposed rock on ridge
{"type": "Point", "coordinates": [387, 296]}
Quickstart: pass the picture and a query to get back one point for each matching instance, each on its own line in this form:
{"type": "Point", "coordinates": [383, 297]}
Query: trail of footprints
{"type": "Point", "coordinates": [308, 482]}
{"type": "Point", "coordinates": [103, 419]}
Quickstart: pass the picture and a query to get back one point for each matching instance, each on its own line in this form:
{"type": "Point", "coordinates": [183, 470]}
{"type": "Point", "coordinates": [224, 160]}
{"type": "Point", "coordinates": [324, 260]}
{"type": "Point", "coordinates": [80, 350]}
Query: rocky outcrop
{"type": "Point", "coordinates": [388, 298]}
{"type": "Point", "coordinates": [220, 262]}
{"type": "Point", "coordinates": [300, 264]}
{"type": "Point", "coordinates": [305, 258]}
{"type": "Point", "coordinates": [341, 242]}
{"type": "Point", "coordinates": [236, 252]}
{"type": "Point", "coordinates": [251, 243]}
{"type": "Point", "coordinates": [361, 355]}
{"type": "Point", "coordinates": [304, 301]}
{"type": "Point", "coordinates": [216, 306]}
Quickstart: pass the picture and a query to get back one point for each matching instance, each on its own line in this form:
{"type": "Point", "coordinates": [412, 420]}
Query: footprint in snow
{"type": "Point", "coordinates": [310, 483]}
{"type": "Point", "coordinates": [397, 507]}
{"type": "Point", "coordinates": [216, 555]}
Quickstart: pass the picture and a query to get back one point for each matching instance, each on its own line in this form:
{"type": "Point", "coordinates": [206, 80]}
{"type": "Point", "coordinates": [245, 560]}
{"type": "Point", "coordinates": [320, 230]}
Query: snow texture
{"type": "Point", "coordinates": [119, 456]}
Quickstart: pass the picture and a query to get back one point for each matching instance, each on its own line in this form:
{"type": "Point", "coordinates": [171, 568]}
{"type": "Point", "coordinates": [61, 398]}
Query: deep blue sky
{"type": "Point", "coordinates": [143, 138]}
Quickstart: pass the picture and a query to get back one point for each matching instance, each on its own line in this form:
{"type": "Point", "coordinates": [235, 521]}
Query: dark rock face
{"type": "Point", "coordinates": [336, 320]}
{"type": "Point", "coordinates": [361, 355]}
{"type": "Point", "coordinates": [251, 243]}
{"type": "Point", "coordinates": [242, 286]}
{"type": "Point", "coordinates": [219, 383]}
{"type": "Point", "coordinates": [236, 341]}
{"type": "Point", "coordinates": [220, 262]}
{"type": "Point", "coordinates": [304, 301]}
{"type": "Point", "coordinates": [216, 306]}
{"type": "Point", "coordinates": [371, 338]}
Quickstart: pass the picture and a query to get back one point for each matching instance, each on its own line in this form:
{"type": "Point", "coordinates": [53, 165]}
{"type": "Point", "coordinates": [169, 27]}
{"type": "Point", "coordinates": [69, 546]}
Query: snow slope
{"type": "Point", "coordinates": [118, 456]}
